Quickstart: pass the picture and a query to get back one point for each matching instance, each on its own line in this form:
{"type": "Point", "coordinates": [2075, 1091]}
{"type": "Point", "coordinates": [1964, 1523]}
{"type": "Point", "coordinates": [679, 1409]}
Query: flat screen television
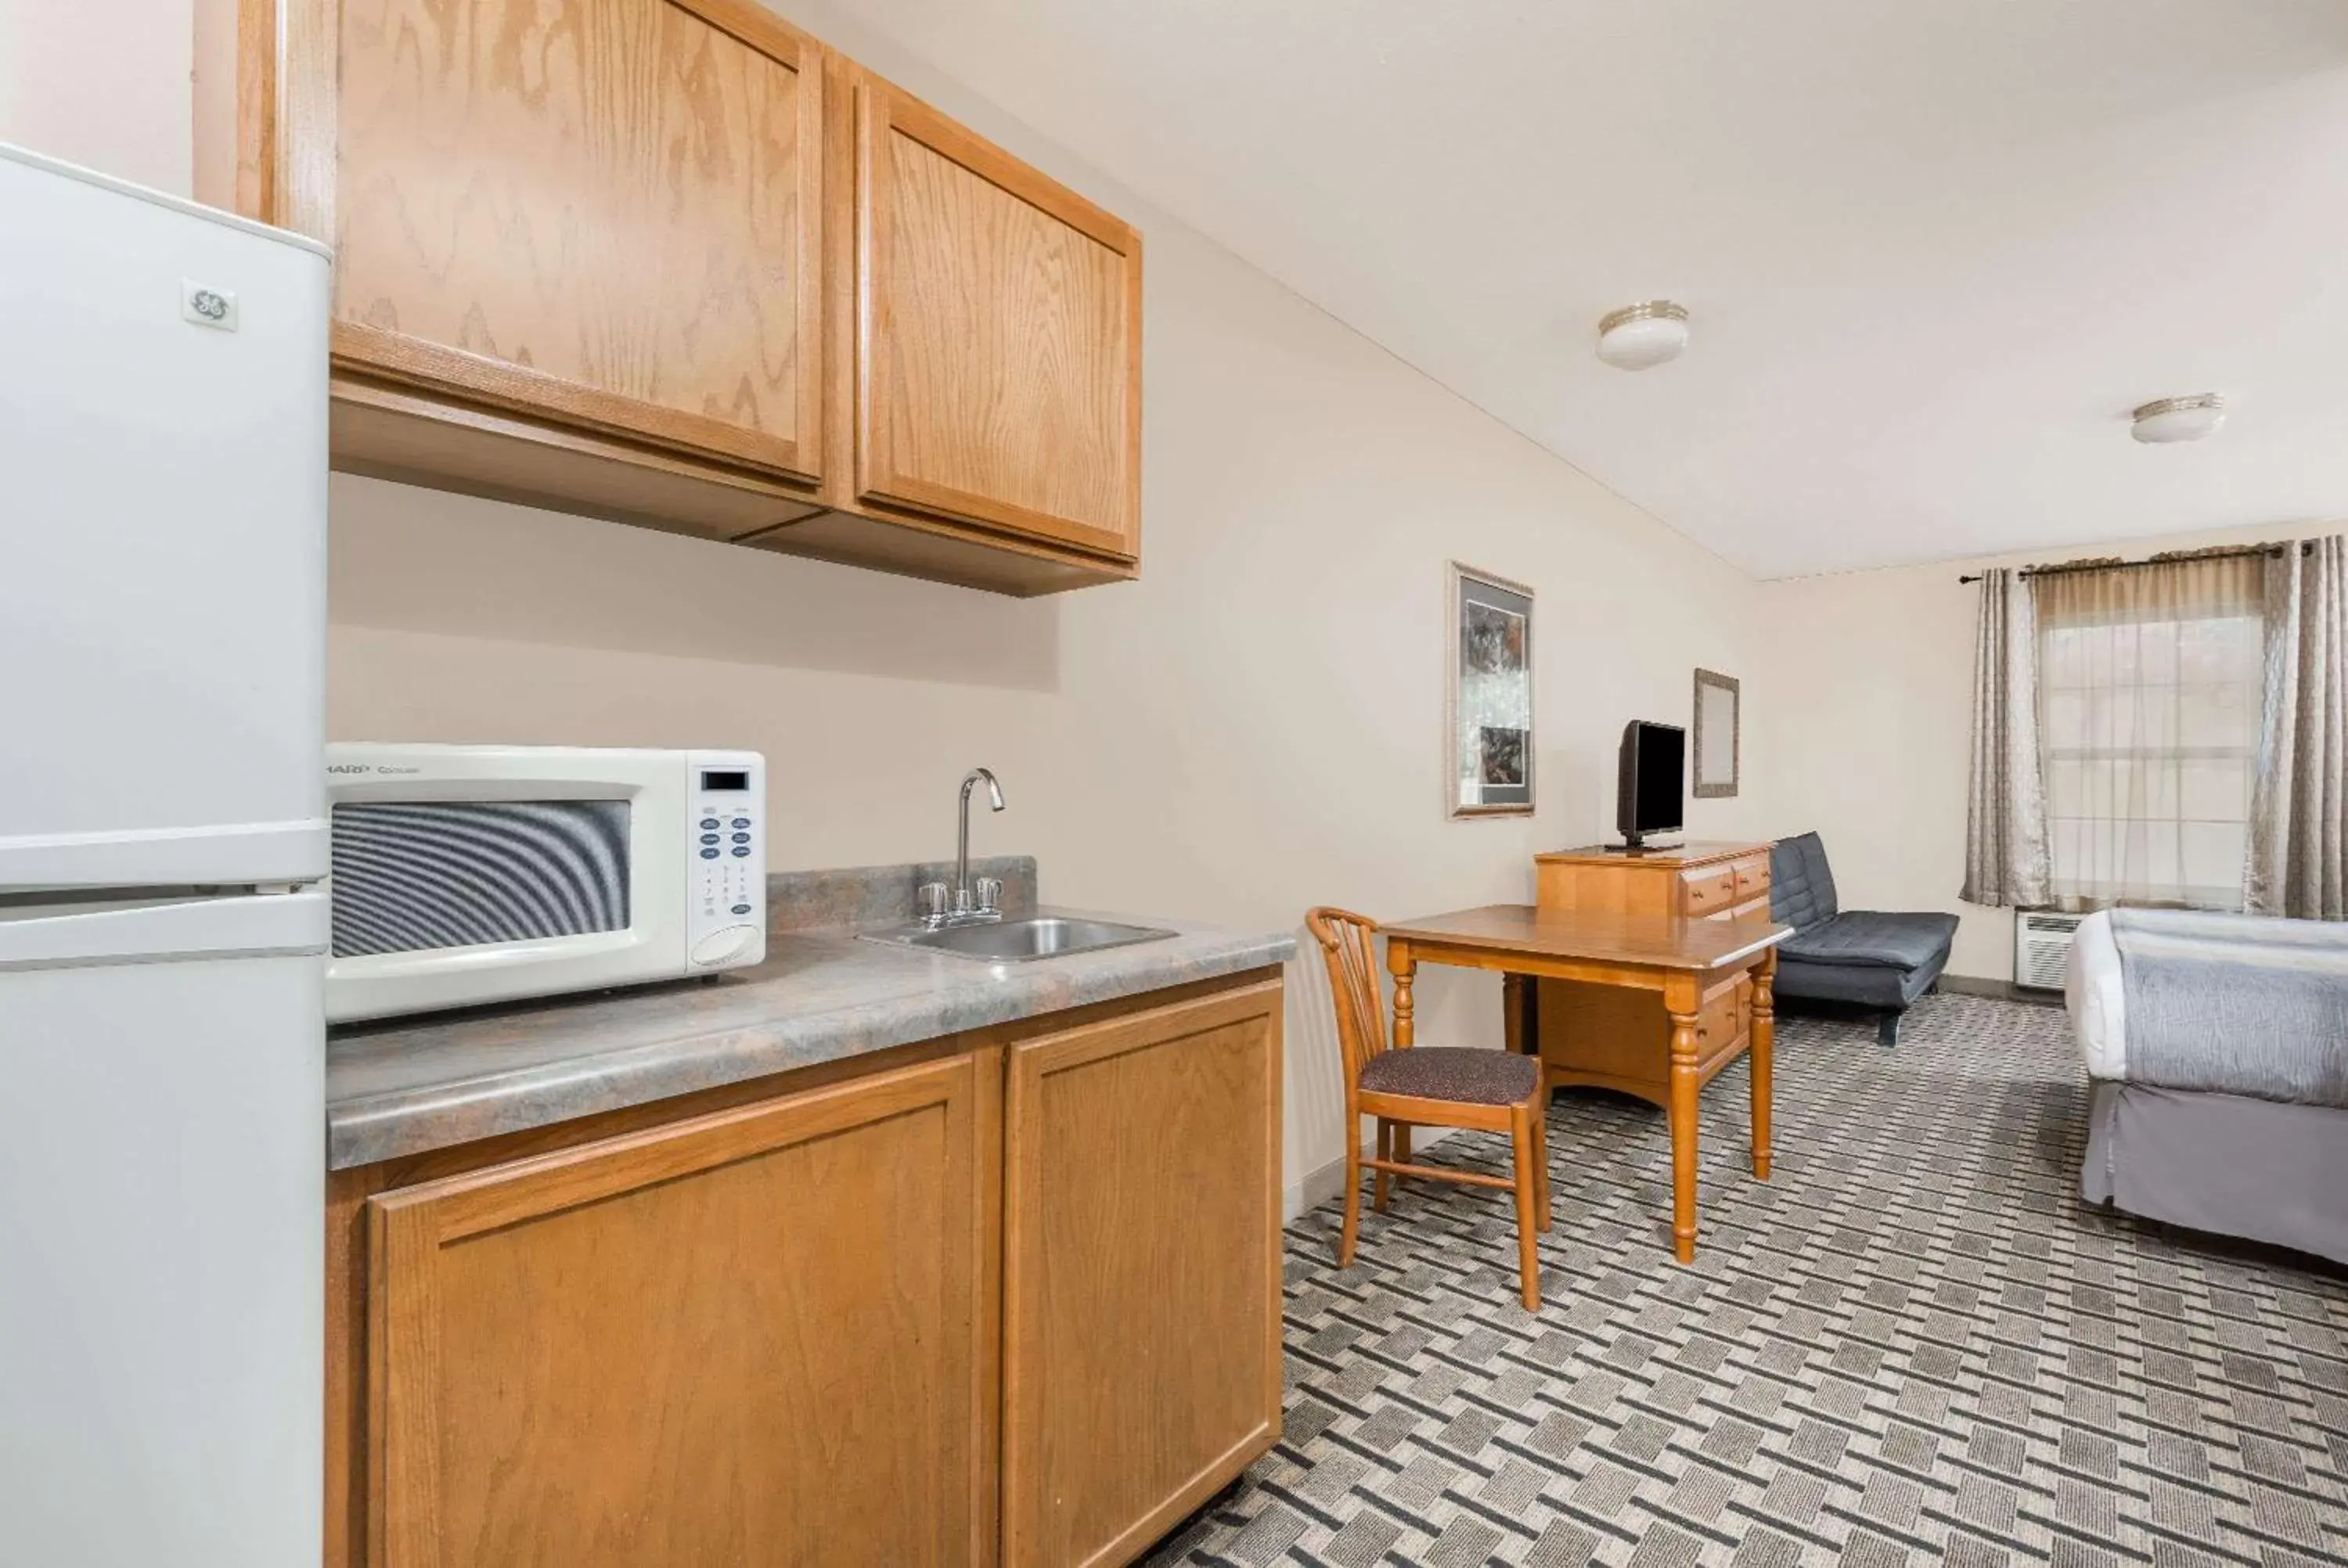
{"type": "Point", "coordinates": [1649, 797]}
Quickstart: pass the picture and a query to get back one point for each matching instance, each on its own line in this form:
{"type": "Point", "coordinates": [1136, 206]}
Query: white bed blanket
{"type": "Point", "coordinates": [2092, 987]}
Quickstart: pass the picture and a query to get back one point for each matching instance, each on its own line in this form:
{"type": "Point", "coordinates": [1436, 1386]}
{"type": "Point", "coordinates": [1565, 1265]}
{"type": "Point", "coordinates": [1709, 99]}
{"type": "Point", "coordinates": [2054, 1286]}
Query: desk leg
{"type": "Point", "coordinates": [1405, 968]}
{"type": "Point", "coordinates": [1403, 965]}
{"type": "Point", "coordinates": [1764, 1052]}
{"type": "Point", "coordinates": [1681, 1000]}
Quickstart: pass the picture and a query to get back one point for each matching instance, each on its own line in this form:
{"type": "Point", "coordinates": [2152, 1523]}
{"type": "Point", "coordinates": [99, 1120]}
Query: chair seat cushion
{"type": "Point", "coordinates": [1868, 937]}
{"type": "Point", "coordinates": [1453, 1073]}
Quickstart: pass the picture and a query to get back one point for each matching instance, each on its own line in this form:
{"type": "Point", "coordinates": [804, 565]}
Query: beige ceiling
{"type": "Point", "coordinates": [1934, 249]}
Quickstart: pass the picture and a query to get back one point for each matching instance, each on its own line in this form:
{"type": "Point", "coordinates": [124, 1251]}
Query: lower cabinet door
{"type": "Point", "coordinates": [759, 1337]}
{"type": "Point", "coordinates": [1141, 1273]}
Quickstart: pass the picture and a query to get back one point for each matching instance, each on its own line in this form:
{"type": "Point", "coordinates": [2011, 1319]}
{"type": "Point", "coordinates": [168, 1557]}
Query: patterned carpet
{"type": "Point", "coordinates": [1915, 1343]}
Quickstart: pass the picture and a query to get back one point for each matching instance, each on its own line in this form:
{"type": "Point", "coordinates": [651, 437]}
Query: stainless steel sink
{"type": "Point", "coordinates": [1018, 941]}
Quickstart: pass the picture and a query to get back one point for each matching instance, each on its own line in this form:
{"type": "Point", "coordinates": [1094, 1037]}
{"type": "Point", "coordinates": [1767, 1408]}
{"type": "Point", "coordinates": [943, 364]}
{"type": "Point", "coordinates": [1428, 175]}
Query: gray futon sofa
{"type": "Point", "coordinates": [1861, 957]}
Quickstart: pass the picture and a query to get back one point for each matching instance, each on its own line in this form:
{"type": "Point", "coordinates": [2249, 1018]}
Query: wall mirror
{"type": "Point", "coordinates": [1717, 720]}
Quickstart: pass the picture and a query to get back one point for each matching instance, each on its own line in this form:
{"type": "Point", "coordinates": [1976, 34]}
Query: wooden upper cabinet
{"type": "Point", "coordinates": [604, 212]}
{"type": "Point", "coordinates": [998, 336]}
{"type": "Point", "coordinates": [673, 263]}
{"type": "Point", "coordinates": [761, 1335]}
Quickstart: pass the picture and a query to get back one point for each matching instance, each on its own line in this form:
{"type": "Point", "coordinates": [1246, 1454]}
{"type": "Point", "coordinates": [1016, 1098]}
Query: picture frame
{"type": "Point", "coordinates": [1716, 767]}
{"type": "Point", "coordinates": [1488, 716]}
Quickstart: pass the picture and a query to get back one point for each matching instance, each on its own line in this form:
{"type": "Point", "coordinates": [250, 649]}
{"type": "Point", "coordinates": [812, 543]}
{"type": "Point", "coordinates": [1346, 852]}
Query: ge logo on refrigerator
{"type": "Point", "coordinates": [207, 307]}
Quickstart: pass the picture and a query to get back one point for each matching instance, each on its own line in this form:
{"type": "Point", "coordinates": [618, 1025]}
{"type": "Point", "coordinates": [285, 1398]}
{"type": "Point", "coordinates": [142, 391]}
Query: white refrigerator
{"type": "Point", "coordinates": [162, 825]}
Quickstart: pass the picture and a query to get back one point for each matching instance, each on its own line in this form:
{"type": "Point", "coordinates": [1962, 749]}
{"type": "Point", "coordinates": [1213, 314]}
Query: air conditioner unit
{"type": "Point", "coordinates": [2042, 948]}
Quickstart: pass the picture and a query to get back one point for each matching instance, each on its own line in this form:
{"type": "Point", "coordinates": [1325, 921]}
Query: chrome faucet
{"type": "Point", "coordinates": [982, 903]}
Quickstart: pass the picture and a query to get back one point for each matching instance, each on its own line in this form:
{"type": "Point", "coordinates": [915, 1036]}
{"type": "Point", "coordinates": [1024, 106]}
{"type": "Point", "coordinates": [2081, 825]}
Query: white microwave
{"type": "Point", "coordinates": [463, 875]}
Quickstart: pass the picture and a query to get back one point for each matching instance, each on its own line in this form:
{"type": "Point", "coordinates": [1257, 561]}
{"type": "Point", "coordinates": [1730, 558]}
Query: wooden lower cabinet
{"type": "Point", "coordinates": [1142, 1274]}
{"type": "Point", "coordinates": [756, 1336]}
{"type": "Point", "coordinates": [1011, 1299]}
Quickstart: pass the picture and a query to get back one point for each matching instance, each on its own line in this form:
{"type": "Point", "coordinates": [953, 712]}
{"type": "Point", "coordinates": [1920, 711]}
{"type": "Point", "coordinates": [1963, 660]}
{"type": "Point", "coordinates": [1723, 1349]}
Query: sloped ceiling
{"type": "Point", "coordinates": [1935, 250]}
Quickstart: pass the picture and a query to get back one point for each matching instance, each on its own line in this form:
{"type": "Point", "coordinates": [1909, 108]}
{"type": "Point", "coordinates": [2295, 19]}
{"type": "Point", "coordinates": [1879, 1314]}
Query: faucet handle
{"type": "Point", "coordinates": [930, 901]}
{"type": "Point", "coordinates": [990, 894]}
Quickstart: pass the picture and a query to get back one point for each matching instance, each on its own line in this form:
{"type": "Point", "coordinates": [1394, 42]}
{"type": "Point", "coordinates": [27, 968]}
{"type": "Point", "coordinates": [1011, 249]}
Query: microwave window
{"type": "Point", "coordinates": [415, 875]}
{"type": "Point", "coordinates": [729, 779]}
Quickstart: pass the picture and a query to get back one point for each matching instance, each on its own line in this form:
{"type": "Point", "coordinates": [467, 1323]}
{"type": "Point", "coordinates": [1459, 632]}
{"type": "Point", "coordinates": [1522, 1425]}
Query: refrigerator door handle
{"type": "Point", "coordinates": [152, 931]}
{"type": "Point", "coordinates": [237, 854]}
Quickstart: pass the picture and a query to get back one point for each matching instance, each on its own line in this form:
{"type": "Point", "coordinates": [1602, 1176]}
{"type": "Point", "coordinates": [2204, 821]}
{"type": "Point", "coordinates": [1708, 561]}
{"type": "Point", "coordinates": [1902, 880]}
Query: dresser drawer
{"type": "Point", "coordinates": [1721, 1026]}
{"type": "Point", "coordinates": [1752, 877]}
{"type": "Point", "coordinates": [1706, 890]}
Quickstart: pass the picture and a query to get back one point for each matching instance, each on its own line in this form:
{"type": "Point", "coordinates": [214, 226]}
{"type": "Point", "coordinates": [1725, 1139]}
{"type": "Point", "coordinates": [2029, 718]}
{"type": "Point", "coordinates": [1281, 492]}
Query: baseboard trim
{"type": "Point", "coordinates": [2004, 990]}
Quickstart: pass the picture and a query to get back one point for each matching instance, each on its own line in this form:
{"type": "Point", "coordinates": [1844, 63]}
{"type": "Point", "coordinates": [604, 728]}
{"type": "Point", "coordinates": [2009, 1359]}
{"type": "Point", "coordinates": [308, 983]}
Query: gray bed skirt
{"type": "Point", "coordinates": [2259, 1169]}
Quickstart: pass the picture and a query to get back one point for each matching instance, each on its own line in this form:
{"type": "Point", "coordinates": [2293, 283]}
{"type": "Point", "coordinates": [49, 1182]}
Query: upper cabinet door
{"type": "Point", "coordinates": [998, 352]}
{"type": "Point", "coordinates": [598, 213]}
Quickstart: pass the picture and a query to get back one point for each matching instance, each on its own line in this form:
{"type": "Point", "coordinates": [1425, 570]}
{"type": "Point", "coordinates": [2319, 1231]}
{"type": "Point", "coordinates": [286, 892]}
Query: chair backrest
{"type": "Point", "coordinates": [1801, 887]}
{"type": "Point", "coordinates": [1346, 946]}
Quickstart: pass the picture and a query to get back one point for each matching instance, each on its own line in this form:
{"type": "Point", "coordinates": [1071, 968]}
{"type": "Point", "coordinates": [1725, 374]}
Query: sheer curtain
{"type": "Point", "coordinates": [2150, 693]}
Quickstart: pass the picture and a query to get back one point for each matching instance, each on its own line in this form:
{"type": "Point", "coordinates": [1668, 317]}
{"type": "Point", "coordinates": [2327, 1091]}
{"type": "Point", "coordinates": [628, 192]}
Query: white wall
{"type": "Point", "coordinates": [104, 84]}
{"type": "Point", "coordinates": [1869, 739]}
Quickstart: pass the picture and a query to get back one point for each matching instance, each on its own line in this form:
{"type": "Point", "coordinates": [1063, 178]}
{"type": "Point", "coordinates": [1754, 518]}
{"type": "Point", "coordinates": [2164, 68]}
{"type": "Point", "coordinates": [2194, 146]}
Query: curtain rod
{"type": "Point", "coordinates": [2180, 558]}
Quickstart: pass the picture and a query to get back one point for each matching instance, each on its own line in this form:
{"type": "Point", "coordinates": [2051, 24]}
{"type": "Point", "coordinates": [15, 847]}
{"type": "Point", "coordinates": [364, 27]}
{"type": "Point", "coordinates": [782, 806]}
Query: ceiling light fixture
{"type": "Point", "coordinates": [1637, 336]}
{"type": "Point", "coordinates": [2179, 419]}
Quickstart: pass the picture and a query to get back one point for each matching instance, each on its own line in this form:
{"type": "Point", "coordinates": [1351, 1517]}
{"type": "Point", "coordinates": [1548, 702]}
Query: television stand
{"type": "Point", "coordinates": [1696, 880]}
{"type": "Point", "coordinates": [1642, 848]}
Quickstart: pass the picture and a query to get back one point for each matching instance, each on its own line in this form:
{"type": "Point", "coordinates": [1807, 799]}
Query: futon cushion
{"type": "Point", "coordinates": [1866, 937]}
{"type": "Point", "coordinates": [1866, 985]}
{"type": "Point", "coordinates": [1453, 1073]}
{"type": "Point", "coordinates": [1801, 888]}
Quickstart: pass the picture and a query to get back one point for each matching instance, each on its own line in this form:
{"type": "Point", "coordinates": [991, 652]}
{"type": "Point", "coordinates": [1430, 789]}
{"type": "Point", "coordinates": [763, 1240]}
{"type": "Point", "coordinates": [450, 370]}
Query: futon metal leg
{"type": "Point", "coordinates": [1887, 1029]}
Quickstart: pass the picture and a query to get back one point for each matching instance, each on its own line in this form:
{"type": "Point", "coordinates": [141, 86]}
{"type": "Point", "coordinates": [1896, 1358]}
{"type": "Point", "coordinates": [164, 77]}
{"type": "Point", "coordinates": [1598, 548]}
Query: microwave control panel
{"type": "Point", "coordinates": [725, 902]}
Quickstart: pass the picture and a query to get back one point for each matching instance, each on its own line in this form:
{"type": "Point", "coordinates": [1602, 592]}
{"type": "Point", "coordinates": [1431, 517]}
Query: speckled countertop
{"type": "Point", "coordinates": [409, 1086]}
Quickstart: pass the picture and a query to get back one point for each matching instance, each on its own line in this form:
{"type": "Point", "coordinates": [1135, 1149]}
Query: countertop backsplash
{"type": "Point", "coordinates": [883, 895]}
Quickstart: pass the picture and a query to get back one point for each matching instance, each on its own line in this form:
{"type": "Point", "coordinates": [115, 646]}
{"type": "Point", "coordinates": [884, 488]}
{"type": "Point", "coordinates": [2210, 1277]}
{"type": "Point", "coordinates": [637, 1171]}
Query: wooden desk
{"type": "Point", "coordinates": [1699, 967]}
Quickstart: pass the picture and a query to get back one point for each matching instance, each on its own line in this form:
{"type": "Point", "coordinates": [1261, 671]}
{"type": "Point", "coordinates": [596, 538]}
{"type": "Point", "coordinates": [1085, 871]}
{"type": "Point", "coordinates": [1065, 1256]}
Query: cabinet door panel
{"type": "Point", "coordinates": [601, 211]}
{"type": "Point", "coordinates": [999, 336]}
{"type": "Point", "coordinates": [1141, 1271]}
{"type": "Point", "coordinates": [754, 1338]}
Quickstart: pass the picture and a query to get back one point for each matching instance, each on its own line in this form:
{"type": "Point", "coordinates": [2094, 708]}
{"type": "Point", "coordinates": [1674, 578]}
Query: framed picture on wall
{"type": "Point", "coordinates": [1719, 719]}
{"type": "Point", "coordinates": [1488, 714]}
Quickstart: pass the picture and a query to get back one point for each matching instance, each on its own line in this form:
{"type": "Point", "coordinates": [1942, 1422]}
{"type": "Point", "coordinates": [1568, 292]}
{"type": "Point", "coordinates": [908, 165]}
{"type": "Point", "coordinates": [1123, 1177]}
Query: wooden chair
{"type": "Point", "coordinates": [1428, 1086]}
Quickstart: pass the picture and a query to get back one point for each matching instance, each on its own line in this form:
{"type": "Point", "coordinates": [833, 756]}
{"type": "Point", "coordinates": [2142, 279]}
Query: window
{"type": "Point", "coordinates": [2149, 687]}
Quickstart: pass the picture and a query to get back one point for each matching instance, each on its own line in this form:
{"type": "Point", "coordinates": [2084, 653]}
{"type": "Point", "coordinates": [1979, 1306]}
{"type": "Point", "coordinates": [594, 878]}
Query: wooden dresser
{"type": "Point", "coordinates": [1619, 1039]}
{"type": "Point", "coordinates": [1700, 880]}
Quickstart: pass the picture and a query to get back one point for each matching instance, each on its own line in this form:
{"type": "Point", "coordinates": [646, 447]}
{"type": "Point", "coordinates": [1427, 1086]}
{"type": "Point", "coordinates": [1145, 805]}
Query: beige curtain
{"type": "Point", "coordinates": [2006, 816]}
{"type": "Point", "coordinates": [2150, 682]}
{"type": "Point", "coordinates": [2298, 849]}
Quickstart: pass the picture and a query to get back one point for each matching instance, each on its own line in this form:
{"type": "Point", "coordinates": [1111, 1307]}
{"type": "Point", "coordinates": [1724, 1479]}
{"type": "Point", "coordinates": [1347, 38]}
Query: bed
{"type": "Point", "coordinates": [2222, 1105]}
